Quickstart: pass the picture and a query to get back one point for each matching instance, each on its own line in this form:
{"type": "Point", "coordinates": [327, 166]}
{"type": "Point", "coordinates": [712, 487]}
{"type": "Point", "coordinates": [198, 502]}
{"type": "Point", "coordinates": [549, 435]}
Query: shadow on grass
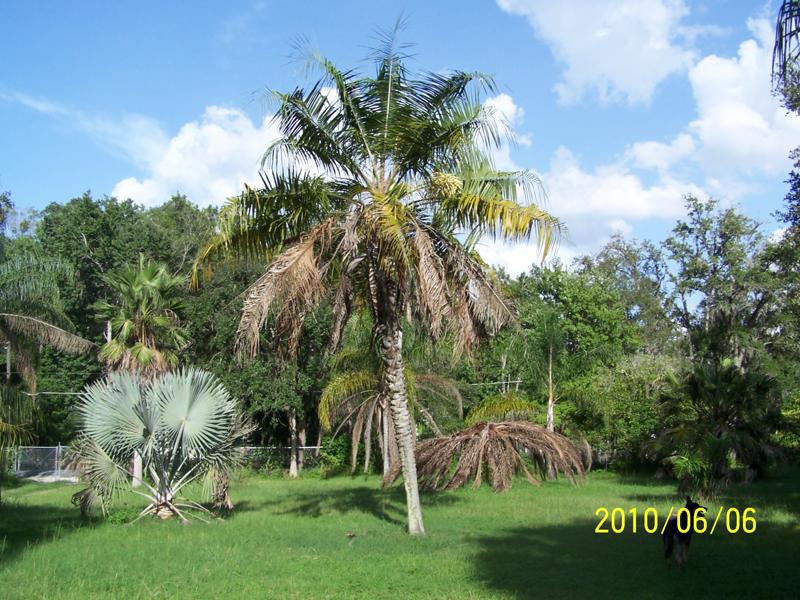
{"type": "Point", "coordinates": [385, 505]}
{"type": "Point", "coordinates": [571, 561]}
{"type": "Point", "coordinates": [780, 491]}
{"type": "Point", "coordinates": [23, 526]}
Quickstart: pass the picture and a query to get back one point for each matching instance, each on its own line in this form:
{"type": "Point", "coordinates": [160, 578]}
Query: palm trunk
{"type": "Point", "coordinates": [394, 385]}
{"type": "Point", "coordinates": [136, 480]}
{"type": "Point", "coordinates": [551, 399]}
{"type": "Point", "coordinates": [293, 443]}
{"type": "Point", "coordinates": [387, 457]}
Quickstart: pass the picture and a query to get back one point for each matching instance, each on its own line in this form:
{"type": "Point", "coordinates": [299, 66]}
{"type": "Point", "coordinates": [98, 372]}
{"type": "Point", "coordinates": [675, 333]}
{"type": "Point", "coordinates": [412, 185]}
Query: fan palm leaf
{"type": "Point", "coordinates": [183, 424]}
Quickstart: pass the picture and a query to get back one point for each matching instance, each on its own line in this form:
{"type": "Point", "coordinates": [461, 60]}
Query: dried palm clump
{"type": "Point", "coordinates": [496, 449]}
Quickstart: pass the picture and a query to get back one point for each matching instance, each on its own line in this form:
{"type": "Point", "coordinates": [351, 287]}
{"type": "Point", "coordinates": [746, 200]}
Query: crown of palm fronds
{"type": "Point", "coordinates": [499, 449]}
{"type": "Point", "coordinates": [146, 333]}
{"type": "Point", "coordinates": [353, 397]}
{"type": "Point", "coordinates": [404, 171]}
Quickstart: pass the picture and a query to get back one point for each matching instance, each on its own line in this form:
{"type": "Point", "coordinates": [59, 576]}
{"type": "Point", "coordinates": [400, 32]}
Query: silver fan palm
{"type": "Point", "coordinates": [183, 424]}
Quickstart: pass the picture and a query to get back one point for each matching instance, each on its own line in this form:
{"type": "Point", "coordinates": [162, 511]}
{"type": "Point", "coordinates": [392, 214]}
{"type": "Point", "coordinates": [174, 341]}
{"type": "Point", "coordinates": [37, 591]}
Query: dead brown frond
{"type": "Point", "coordinates": [498, 450]}
{"type": "Point", "coordinates": [46, 334]}
{"type": "Point", "coordinates": [293, 283]}
{"type": "Point", "coordinates": [431, 284]}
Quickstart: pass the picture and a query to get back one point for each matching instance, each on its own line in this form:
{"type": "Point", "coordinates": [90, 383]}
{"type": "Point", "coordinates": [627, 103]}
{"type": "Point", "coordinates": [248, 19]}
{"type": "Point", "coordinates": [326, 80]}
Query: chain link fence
{"type": "Point", "coordinates": [51, 463]}
{"type": "Point", "coordinates": [42, 463]}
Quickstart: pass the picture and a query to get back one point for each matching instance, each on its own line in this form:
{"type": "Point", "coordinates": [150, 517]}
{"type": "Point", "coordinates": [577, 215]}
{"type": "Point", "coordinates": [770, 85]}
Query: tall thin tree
{"type": "Point", "coordinates": [363, 192]}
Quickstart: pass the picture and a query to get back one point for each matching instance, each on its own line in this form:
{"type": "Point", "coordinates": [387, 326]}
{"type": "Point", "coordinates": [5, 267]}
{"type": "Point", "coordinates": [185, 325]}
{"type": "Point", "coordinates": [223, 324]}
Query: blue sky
{"type": "Point", "coordinates": [654, 99]}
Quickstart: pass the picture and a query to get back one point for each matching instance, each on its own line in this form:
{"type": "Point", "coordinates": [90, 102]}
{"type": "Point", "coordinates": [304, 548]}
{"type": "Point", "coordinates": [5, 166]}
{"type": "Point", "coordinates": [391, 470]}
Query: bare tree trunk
{"type": "Point", "coordinates": [136, 480]}
{"type": "Point", "coordinates": [301, 437]}
{"type": "Point", "coordinates": [293, 443]}
{"type": "Point", "coordinates": [319, 441]}
{"type": "Point", "coordinates": [394, 386]}
{"type": "Point", "coordinates": [551, 401]}
{"type": "Point", "coordinates": [504, 387]}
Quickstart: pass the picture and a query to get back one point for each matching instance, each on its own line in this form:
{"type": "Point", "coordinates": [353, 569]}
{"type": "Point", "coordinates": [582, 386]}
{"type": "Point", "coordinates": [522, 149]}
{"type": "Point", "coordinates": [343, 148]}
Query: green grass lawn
{"type": "Point", "coordinates": [287, 539]}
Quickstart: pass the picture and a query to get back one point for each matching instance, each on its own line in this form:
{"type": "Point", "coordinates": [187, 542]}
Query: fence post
{"type": "Point", "coordinates": [58, 461]}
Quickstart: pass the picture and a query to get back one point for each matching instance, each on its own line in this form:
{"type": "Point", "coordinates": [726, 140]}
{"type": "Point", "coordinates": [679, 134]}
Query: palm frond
{"type": "Point", "coordinates": [499, 449]}
{"type": "Point", "coordinates": [337, 397]}
{"type": "Point", "coordinates": [46, 334]}
{"type": "Point", "coordinates": [502, 408]}
{"type": "Point", "coordinates": [293, 281]}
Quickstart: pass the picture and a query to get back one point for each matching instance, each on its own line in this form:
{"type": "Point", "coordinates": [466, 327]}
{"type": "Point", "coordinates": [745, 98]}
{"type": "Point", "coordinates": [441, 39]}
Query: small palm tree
{"type": "Point", "coordinates": [499, 449]}
{"type": "Point", "coordinates": [354, 398]}
{"type": "Point", "coordinates": [145, 334]}
{"type": "Point", "coordinates": [183, 424]}
{"type": "Point", "coordinates": [396, 162]}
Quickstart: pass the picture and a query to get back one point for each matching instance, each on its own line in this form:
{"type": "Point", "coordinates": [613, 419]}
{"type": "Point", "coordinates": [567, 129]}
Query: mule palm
{"type": "Point", "coordinates": [384, 169]}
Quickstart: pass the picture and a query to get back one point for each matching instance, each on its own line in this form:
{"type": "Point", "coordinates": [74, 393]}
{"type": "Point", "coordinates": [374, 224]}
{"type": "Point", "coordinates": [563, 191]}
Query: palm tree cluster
{"type": "Point", "coordinates": [373, 178]}
{"type": "Point", "coordinates": [498, 450]}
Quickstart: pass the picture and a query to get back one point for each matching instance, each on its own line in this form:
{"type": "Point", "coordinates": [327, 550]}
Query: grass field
{"type": "Point", "coordinates": [287, 539]}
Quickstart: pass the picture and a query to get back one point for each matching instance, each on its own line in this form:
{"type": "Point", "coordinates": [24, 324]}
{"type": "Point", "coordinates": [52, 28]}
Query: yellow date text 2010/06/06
{"type": "Point", "coordinates": [648, 520]}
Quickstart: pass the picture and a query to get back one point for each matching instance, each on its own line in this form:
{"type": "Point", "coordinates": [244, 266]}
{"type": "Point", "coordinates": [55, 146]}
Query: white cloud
{"type": "Point", "coordinates": [509, 117]}
{"type": "Point", "coordinates": [208, 160]}
{"type": "Point", "coordinates": [740, 126]}
{"type": "Point", "coordinates": [594, 204]}
{"type": "Point", "coordinates": [622, 49]}
{"type": "Point", "coordinates": [659, 156]}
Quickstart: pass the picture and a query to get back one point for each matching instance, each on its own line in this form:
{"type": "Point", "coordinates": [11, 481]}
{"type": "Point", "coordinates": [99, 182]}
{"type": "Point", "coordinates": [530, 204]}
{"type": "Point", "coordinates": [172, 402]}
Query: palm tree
{"type": "Point", "coordinates": [31, 313]}
{"type": "Point", "coordinates": [497, 448]}
{"type": "Point", "coordinates": [29, 307]}
{"type": "Point", "coordinates": [381, 170]}
{"type": "Point", "coordinates": [184, 425]}
{"type": "Point", "coordinates": [353, 397]}
{"type": "Point", "coordinates": [145, 334]}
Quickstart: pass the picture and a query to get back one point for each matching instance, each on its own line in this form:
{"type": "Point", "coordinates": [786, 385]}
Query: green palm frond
{"type": "Point", "coordinates": [339, 394]}
{"type": "Point", "coordinates": [16, 416]}
{"type": "Point", "coordinates": [502, 408]}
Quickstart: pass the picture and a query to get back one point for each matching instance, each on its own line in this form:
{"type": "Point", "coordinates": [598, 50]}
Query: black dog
{"type": "Point", "coordinates": [672, 534]}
